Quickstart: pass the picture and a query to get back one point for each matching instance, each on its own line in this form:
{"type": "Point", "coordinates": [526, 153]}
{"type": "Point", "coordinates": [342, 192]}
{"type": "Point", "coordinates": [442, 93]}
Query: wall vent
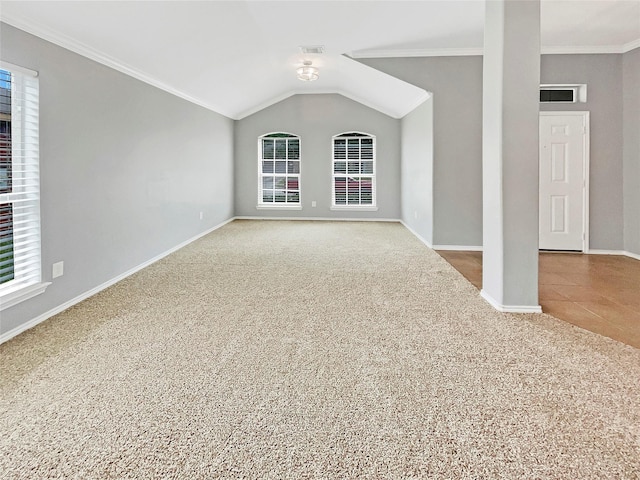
{"type": "Point", "coordinates": [563, 93]}
{"type": "Point", "coordinates": [315, 49]}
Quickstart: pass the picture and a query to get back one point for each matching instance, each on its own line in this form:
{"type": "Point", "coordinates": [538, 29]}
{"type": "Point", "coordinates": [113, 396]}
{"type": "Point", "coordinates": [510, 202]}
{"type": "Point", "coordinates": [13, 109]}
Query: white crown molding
{"type": "Point", "coordinates": [279, 98]}
{"type": "Point", "coordinates": [104, 59]}
{"type": "Point", "coordinates": [100, 57]}
{"type": "Point", "coordinates": [423, 97]}
{"type": "Point", "coordinates": [97, 56]}
{"type": "Point", "coordinates": [627, 47]}
{"type": "Point", "coordinates": [582, 50]}
{"type": "Point", "coordinates": [419, 101]}
{"type": "Point", "coordinates": [416, 52]}
{"type": "Point", "coordinates": [336, 91]}
{"type": "Point", "coordinates": [455, 52]}
{"type": "Point", "coordinates": [265, 104]}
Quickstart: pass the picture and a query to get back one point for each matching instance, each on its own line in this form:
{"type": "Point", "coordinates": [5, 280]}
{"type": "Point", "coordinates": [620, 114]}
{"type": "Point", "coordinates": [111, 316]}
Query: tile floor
{"type": "Point", "coordinates": [600, 293]}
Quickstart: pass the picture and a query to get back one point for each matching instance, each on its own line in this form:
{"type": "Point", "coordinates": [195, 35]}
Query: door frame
{"type": "Point", "coordinates": [584, 114]}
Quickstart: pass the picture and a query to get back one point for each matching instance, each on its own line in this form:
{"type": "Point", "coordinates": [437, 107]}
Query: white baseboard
{"type": "Point", "coordinates": [477, 248]}
{"type": "Point", "coordinates": [470, 248]}
{"type": "Point", "coordinates": [320, 219]}
{"type": "Point", "coordinates": [423, 240]}
{"type": "Point", "coordinates": [614, 252]}
{"type": "Point", "coordinates": [632, 255]}
{"type": "Point", "coordinates": [510, 308]}
{"type": "Point", "coordinates": [593, 251]}
{"type": "Point", "coordinates": [89, 293]}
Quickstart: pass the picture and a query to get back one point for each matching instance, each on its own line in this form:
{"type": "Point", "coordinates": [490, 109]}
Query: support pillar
{"type": "Point", "coordinates": [511, 82]}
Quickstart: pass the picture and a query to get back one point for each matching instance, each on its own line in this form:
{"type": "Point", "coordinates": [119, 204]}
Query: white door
{"type": "Point", "coordinates": [563, 180]}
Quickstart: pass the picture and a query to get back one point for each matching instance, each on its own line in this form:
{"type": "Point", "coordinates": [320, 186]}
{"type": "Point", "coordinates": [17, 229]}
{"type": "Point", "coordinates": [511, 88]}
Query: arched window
{"type": "Point", "coordinates": [279, 170]}
{"type": "Point", "coordinates": [354, 170]}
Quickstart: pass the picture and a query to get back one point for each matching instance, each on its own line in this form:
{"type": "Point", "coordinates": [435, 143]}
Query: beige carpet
{"type": "Point", "coordinates": [313, 350]}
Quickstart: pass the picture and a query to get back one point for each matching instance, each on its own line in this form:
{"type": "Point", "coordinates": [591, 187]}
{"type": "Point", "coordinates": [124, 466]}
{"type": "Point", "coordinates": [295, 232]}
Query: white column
{"type": "Point", "coordinates": [511, 80]}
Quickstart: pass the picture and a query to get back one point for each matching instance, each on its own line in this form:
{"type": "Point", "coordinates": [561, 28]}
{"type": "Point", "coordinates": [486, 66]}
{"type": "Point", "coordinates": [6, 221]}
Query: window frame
{"type": "Point", "coordinates": [353, 134]}
{"type": "Point", "coordinates": [25, 191]}
{"type": "Point", "coordinates": [286, 205]}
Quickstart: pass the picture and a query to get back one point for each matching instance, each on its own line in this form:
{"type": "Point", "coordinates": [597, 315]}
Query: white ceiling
{"type": "Point", "coordinates": [237, 57]}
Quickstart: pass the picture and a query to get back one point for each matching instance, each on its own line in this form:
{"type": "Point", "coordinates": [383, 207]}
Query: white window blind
{"type": "Point", "coordinates": [279, 167]}
{"type": "Point", "coordinates": [354, 179]}
{"type": "Point", "coordinates": [20, 262]}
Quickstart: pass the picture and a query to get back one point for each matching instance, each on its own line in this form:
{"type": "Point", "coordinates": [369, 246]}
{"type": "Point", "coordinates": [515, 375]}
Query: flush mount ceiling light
{"type": "Point", "coordinates": [307, 73]}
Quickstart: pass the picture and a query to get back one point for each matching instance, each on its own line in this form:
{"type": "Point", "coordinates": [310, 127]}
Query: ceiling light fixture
{"type": "Point", "coordinates": [307, 73]}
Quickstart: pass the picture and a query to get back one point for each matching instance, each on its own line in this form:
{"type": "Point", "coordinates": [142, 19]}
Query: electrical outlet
{"type": "Point", "coordinates": [57, 270]}
{"type": "Point", "coordinates": [313, 203]}
{"type": "Point", "coordinates": [201, 215]}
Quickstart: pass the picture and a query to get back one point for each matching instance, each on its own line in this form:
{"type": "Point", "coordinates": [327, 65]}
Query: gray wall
{"type": "Point", "coordinates": [456, 83]}
{"type": "Point", "coordinates": [125, 170]}
{"type": "Point", "coordinates": [316, 118]}
{"type": "Point", "coordinates": [631, 165]}
{"type": "Point", "coordinates": [417, 170]}
{"type": "Point", "coordinates": [603, 76]}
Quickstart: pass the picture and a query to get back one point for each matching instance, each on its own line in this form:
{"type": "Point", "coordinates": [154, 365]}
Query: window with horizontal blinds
{"type": "Point", "coordinates": [20, 263]}
{"type": "Point", "coordinates": [279, 170]}
{"type": "Point", "coordinates": [354, 170]}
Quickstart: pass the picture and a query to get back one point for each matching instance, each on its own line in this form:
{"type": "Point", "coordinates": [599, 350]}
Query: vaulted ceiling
{"type": "Point", "coordinates": [237, 57]}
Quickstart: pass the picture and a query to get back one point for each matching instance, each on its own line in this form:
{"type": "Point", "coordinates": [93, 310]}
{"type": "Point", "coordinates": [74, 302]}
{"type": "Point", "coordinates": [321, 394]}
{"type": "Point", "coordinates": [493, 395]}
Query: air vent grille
{"type": "Point", "coordinates": [576, 93]}
{"type": "Point", "coordinates": [315, 49]}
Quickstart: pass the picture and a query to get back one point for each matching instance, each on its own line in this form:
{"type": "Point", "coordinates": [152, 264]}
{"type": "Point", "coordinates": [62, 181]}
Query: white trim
{"type": "Point", "coordinates": [622, 253]}
{"type": "Point", "coordinates": [581, 49]}
{"type": "Point", "coordinates": [373, 207]}
{"type": "Point", "coordinates": [627, 47]}
{"type": "Point", "coordinates": [632, 255]}
{"type": "Point", "coordinates": [320, 219]}
{"type": "Point", "coordinates": [348, 208]}
{"type": "Point", "coordinates": [17, 68]}
{"type": "Point", "coordinates": [510, 308]}
{"type": "Point", "coordinates": [22, 294]}
{"type": "Point", "coordinates": [415, 234]}
{"type": "Point", "coordinates": [267, 103]}
{"type": "Point", "coordinates": [470, 248]}
{"type": "Point", "coordinates": [338, 91]}
{"type": "Point", "coordinates": [395, 113]}
{"type": "Point", "coordinates": [26, 281]}
{"type": "Point", "coordinates": [100, 57]}
{"type": "Point", "coordinates": [273, 205]}
{"type": "Point", "coordinates": [479, 51]}
{"type": "Point", "coordinates": [586, 161]}
{"type": "Point", "coordinates": [88, 52]}
{"type": "Point", "coordinates": [417, 52]}
{"type": "Point", "coordinates": [597, 251]}
{"type": "Point", "coordinates": [419, 101]}
{"type": "Point", "coordinates": [89, 293]}
{"type": "Point", "coordinates": [278, 207]}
